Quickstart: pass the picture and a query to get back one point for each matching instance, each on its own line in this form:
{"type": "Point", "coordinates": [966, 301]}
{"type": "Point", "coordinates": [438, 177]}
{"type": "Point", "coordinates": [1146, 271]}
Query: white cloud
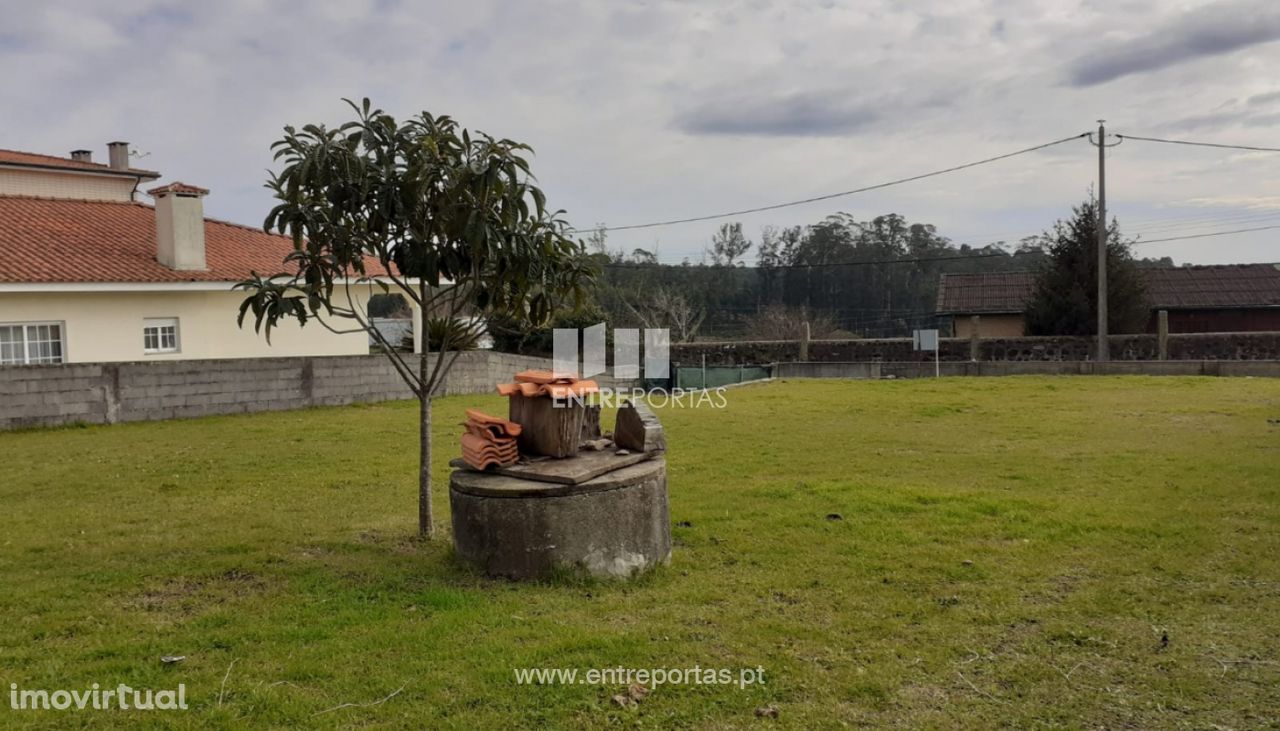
{"type": "Point", "coordinates": [653, 110]}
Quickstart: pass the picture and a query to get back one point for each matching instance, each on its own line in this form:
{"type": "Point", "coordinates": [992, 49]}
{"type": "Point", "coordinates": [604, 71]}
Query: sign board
{"type": "Point", "coordinates": [925, 340]}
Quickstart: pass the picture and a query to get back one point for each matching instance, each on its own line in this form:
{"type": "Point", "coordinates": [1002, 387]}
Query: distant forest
{"type": "Point", "coordinates": [847, 278]}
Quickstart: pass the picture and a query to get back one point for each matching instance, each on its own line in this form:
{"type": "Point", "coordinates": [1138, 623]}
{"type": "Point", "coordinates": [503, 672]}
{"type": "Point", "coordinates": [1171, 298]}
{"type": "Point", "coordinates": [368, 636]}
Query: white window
{"type": "Point", "coordinates": [31, 343]}
{"type": "Point", "coordinates": [160, 335]}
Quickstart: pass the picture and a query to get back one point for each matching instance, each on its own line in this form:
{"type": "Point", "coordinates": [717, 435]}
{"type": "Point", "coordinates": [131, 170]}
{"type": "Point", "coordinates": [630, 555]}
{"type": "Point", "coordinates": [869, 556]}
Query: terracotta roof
{"type": "Point", "coordinates": [1168, 288]}
{"type": "Point", "coordinates": [49, 240]}
{"type": "Point", "coordinates": [179, 188]}
{"type": "Point", "coordinates": [31, 159]}
{"type": "Point", "coordinates": [1001, 292]}
{"type": "Point", "coordinates": [1227, 285]}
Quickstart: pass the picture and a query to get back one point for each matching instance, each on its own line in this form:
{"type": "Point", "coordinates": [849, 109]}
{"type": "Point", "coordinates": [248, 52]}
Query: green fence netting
{"type": "Point", "coordinates": [717, 376]}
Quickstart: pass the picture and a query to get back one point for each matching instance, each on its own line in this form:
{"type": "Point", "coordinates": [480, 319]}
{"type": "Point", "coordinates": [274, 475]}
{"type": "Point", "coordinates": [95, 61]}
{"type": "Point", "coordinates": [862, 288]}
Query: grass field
{"type": "Point", "coordinates": [1012, 552]}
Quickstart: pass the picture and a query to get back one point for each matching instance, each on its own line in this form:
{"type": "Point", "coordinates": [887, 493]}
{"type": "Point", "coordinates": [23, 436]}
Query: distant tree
{"type": "Point", "coordinates": [598, 240]}
{"type": "Point", "coordinates": [643, 256]}
{"type": "Point", "coordinates": [512, 335]}
{"type": "Point", "coordinates": [1065, 299]}
{"type": "Point", "coordinates": [779, 322]}
{"type": "Point", "coordinates": [665, 308]}
{"type": "Point", "coordinates": [769, 257]}
{"type": "Point", "coordinates": [448, 219]}
{"type": "Point", "coordinates": [729, 244]}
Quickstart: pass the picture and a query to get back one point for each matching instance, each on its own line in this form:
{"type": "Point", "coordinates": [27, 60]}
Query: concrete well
{"type": "Point", "coordinates": [613, 526]}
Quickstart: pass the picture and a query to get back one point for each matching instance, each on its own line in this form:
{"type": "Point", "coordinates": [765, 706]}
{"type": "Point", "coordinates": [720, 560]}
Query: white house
{"type": "Point", "coordinates": [88, 274]}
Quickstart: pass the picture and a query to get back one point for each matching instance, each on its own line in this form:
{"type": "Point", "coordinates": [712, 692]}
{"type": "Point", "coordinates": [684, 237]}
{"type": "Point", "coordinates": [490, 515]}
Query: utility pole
{"type": "Point", "coordinates": [1104, 348]}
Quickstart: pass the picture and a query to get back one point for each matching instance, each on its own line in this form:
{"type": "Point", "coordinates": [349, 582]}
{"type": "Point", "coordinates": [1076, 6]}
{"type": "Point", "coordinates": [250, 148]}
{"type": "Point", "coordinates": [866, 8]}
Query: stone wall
{"type": "Point", "coordinates": [107, 393]}
{"type": "Point", "coordinates": [1190, 346]}
{"type": "Point", "coordinates": [916, 369]}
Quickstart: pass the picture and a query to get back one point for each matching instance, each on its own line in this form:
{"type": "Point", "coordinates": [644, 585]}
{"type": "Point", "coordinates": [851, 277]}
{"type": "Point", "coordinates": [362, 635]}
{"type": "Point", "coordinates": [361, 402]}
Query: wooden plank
{"type": "Point", "coordinates": [572, 471]}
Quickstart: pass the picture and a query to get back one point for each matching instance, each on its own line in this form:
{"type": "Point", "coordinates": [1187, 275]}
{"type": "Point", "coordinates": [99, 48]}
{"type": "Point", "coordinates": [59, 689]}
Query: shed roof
{"type": "Point", "coordinates": [1168, 288]}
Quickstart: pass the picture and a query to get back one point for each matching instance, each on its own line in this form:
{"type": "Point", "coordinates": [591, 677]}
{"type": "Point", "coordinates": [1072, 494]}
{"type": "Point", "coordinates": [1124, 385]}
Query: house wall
{"type": "Point", "coordinates": [105, 327]}
{"type": "Point", "coordinates": [65, 185]}
{"type": "Point", "coordinates": [990, 326]}
{"type": "Point", "coordinates": [1221, 320]}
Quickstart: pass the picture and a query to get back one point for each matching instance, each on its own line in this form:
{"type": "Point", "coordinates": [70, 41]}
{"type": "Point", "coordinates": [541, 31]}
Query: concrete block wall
{"type": "Point", "coordinates": [107, 393]}
{"type": "Point", "coordinates": [54, 395]}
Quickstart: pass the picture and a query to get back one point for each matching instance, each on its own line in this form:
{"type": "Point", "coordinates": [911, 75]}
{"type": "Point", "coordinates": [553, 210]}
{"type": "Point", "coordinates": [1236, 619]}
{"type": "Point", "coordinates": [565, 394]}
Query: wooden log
{"type": "Point", "coordinates": [548, 427]}
{"type": "Point", "coordinates": [591, 423]}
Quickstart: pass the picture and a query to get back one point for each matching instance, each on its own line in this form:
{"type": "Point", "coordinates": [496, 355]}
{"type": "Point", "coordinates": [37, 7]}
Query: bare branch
{"type": "Point", "coordinates": [406, 373]}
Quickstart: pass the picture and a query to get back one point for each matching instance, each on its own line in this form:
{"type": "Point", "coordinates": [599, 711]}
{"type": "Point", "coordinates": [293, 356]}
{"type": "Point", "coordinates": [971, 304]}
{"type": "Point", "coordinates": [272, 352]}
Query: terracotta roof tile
{"type": "Point", "coordinates": [1228, 285]}
{"type": "Point", "coordinates": [15, 157]}
{"type": "Point", "coordinates": [60, 240]}
{"type": "Point", "coordinates": [985, 293]}
{"type": "Point", "coordinates": [178, 187]}
{"type": "Point", "coordinates": [489, 441]}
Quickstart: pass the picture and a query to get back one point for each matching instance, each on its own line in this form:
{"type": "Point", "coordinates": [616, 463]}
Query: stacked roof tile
{"type": "Point", "coordinates": [532, 383]}
{"type": "Point", "coordinates": [489, 441]}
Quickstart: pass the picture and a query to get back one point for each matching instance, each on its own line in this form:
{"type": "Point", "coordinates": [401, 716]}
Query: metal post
{"type": "Point", "coordinates": [937, 366]}
{"type": "Point", "coordinates": [1104, 348]}
{"type": "Point", "coordinates": [975, 345]}
{"type": "Point", "coordinates": [704, 371]}
{"type": "Point", "coordinates": [1162, 330]}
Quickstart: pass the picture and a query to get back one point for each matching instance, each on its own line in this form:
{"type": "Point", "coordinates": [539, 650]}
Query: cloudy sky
{"type": "Point", "coordinates": [643, 111]}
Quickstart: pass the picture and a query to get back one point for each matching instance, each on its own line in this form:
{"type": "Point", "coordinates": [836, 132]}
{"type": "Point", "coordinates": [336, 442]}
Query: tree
{"type": "Point", "coordinates": [449, 219]}
{"type": "Point", "coordinates": [664, 308]}
{"type": "Point", "coordinates": [643, 256]}
{"type": "Point", "coordinates": [779, 322]}
{"type": "Point", "coordinates": [1065, 299]}
{"type": "Point", "coordinates": [598, 239]}
{"type": "Point", "coordinates": [728, 244]}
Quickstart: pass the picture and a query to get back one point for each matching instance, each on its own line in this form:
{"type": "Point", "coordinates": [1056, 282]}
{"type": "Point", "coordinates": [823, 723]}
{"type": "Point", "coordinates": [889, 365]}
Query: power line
{"type": "Point", "coordinates": [1199, 144]}
{"type": "Point", "coordinates": [1167, 225]}
{"type": "Point", "coordinates": [1215, 233]}
{"type": "Point", "coordinates": [829, 196]}
{"type": "Point", "coordinates": [865, 262]}
{"type": "Point", "coordinates": [1241, 219]}
{"type": "Point", "coordinates": [1231, 212]}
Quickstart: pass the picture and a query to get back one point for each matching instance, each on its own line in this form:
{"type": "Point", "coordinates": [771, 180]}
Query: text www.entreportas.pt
{"type": "Point", "coordinates": [652, 677]}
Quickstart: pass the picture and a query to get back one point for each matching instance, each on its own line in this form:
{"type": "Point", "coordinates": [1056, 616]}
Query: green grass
{"type": "Point", "coordinates": [1011, 553]}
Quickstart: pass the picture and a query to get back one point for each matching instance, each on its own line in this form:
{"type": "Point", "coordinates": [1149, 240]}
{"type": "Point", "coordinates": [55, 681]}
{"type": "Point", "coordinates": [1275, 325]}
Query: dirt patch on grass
{"type": "Point", "coordinates": [187, 595]}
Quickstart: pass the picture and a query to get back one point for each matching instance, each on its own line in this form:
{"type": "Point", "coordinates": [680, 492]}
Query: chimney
{"type": "Point", "coordinates": [179, 225]}
{"type": "Point", "coordinates": [82, 155]}
{"type": "Point", "coordinates": [118, 155]}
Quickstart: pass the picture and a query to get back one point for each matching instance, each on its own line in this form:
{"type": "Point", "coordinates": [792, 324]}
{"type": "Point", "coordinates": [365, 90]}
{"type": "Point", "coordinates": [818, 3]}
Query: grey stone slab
{"type": "Point", "coordinates": [638, 429]}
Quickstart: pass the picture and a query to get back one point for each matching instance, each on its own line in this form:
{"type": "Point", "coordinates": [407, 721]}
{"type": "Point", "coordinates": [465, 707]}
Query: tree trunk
{"type": "Point", "coordinates": [425, 525]}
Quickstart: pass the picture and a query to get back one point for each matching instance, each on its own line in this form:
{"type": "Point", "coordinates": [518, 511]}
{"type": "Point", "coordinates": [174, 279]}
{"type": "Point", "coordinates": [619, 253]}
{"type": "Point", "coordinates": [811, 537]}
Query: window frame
{"type": "Point", "coordinates": [25, 328]}
{"type": "Point", "coordinates": [160, 324]}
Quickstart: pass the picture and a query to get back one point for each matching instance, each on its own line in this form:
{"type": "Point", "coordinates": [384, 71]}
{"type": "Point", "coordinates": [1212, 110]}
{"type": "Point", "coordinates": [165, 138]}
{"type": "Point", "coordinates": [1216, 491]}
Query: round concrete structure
{"type": "Point", "coordinates": [613, 526]}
